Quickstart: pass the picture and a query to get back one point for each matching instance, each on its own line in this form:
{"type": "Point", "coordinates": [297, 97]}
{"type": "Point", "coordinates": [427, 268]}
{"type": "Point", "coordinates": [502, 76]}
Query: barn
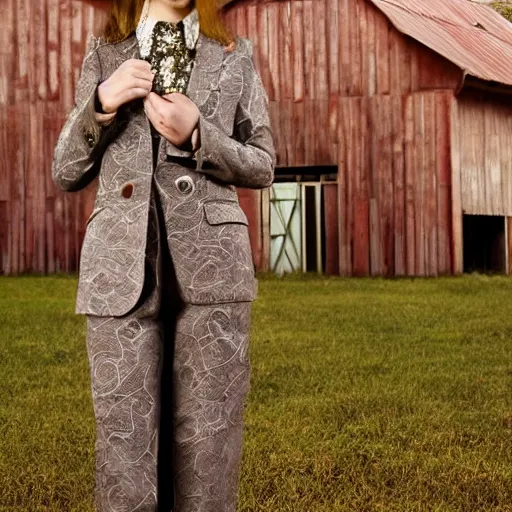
{"type": "Point", "coordinates": [392, 121]}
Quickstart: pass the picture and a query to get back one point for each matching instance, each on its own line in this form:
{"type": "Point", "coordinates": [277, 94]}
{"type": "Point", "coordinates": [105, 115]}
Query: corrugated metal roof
{"type": "Point", "coordinates": [472, 36]}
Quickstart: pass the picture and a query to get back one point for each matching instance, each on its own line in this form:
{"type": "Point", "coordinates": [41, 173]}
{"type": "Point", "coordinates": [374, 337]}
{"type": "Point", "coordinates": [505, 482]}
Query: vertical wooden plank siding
{"type": "Point", "coordinates": [298, 80]}
{"type": "Point", "coordinates": [331, 228]}
{"type": "Point", "coordinates": [376, 173]}
{"type": "Point", "coordinates": [456, 196]}
{"type": "Point", "coordinates": [345, 246]}
{"type": "Point", "coordinates": [398, 184]}
{"type": "Point", "coordinates": [410, 213]}
{"type": "Point", "coordinates": [505, 132]}
{"type": "Point", "coordinates": [443, 170]}
{"type": "Point", "coordinates": [361, 189]}
{"type": "Point", "coordinates": [40, 58]}
{"type": "Point", "coordinates": [345, 88]}
{"type": "Point", "coordinates": [484, 129]}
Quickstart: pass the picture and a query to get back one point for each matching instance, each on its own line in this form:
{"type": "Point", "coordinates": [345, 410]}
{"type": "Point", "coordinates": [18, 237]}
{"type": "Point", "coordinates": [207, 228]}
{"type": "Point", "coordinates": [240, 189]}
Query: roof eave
{"type": "Point", "coordinates": [475, 82]}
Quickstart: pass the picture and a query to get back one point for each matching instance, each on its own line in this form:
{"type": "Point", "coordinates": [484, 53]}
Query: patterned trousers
{"type": "Point", "coordinates": [169, 383]}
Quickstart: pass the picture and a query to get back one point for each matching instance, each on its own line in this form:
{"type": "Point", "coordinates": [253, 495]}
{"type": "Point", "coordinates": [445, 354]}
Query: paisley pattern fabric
{"type": "Point", "coordinates": [169, 385]}
{"type": "Point", "coordinates": [202, 440]}
{"type": "Point", "coordinates": [213, 260]}
{"type": "Point", "coordinates": [168, 351]}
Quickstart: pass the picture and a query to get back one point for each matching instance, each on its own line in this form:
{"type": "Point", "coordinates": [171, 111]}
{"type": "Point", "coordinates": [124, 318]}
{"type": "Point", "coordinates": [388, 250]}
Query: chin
{"type": "Point", "coordinates": [179, 4]}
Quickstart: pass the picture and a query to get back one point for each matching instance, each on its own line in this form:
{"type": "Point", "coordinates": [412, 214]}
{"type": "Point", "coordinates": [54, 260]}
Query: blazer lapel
{"type": "Point", "coordinates": [139, 123]}
{"type": "Point", "coordinates": [129, 48]}
{"type": "Point", "coordinates": [204, 77]}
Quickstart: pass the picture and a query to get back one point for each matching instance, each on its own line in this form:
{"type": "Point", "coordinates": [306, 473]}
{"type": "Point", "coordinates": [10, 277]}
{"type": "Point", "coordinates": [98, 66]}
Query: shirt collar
{"type": "Point", "coordinates": [146, 25]}
{"type": "Point", "coordinates": [191, 28]}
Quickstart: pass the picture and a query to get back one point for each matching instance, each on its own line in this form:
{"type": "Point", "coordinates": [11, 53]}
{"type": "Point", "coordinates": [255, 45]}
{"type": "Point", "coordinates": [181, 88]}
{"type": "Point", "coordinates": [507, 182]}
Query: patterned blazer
{"type": "Point", "coordinates": [206, 228]}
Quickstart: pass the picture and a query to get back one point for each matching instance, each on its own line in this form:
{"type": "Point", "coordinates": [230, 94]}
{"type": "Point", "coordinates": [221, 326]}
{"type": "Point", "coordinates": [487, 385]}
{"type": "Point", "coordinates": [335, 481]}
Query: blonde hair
{"type": "Point", "coordinates": [125, 14]}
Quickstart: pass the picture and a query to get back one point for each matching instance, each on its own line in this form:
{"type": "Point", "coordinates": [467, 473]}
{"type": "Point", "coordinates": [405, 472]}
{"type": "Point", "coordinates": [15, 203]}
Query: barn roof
{"type": "Point", "coordinates": [472, 36]}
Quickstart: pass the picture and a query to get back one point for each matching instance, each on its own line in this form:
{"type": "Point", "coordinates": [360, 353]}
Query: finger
{"type": "Point", "coordinates": [139, 83]}
{"type": "Point", "coordinates": [140, 72]}
{"type": "Point", "coordinates": [133, 71]}
{"type": "Point", "coordinates": [175, 97]}
{"type": "Point", "coordinates": [142, 75]}
{"type": "Point", "coordinates": [150, 100]}
{"type": "Point", "coordinates": [152, 113]}
{"type": "Point", "coordinates": [156, 98]}
{"type": "Point", "coordinates": [139, 64]}
{"type": "Point", "coordinates": [158, 102]}
{"type": "Point", "coordinates": [164, 102]}
{"type": "Point", "coordinates": [169, 97]}
{"type": "Point", "coordinates": [136, 93]}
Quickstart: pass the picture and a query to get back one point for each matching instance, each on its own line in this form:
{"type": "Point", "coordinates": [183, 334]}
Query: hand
{"type": "Point", "coordinates": [175, 116]}
{"type": "Point", "coordinates": [131, 80]}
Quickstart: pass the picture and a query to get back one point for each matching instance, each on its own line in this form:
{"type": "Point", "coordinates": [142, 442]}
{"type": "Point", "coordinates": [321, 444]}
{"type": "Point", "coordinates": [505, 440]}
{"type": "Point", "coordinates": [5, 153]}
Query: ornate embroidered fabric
{"type": "Point", "coordinates": [170, 59]}
{"type": "Point", "coordinates": [236, 140]}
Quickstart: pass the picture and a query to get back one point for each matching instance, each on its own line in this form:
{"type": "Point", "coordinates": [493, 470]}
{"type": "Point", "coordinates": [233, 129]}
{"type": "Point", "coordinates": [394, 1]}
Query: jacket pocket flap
{"type": "Point", "coordinates": [223, 212]}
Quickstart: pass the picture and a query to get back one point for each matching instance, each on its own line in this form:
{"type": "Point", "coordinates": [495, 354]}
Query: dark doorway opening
{"type": "Point", "coordinates": [314, 232]}
{"type": "Point", "coordinates": [484, 244]}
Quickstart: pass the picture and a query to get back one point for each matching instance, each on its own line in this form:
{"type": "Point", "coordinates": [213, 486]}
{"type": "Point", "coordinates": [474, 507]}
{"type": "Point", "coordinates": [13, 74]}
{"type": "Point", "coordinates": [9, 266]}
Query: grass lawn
{"type": "Point", "coordinates": [366, 395]}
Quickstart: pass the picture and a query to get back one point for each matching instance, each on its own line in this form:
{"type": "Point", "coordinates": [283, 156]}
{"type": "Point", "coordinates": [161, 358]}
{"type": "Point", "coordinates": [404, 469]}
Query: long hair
{"type": "Point", "coordinates": [125, 15]}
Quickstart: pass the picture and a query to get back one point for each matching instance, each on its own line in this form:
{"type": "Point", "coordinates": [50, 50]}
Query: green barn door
{"type": "Point", "coordinates": [285, 227]}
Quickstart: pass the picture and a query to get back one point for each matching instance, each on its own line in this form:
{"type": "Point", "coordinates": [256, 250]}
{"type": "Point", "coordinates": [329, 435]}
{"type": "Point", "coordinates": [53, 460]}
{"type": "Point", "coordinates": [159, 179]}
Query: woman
{"type": "Point", "coordinates": [171, 114]}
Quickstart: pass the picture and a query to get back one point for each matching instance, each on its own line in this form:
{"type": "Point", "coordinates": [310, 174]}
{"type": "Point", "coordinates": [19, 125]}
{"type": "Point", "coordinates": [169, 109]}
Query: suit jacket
{"type": "Point", "coordinates": [206, 228]}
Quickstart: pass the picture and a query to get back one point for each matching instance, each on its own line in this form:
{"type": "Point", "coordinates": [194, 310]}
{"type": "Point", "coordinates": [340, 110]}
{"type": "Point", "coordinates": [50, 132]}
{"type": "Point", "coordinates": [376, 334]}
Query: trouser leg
{"type": "Point", "coordinates": [210, 383]}
{"type": "Point", "coordinates": [124, 355]}
{"type": "Point", "coordinates": [125, 360]}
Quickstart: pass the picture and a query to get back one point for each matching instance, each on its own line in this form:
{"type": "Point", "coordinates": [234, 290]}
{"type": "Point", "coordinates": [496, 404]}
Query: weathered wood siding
{"type": "Point", "coordinates": [41, 50]}
{"type": "Point", "coordinates": [481, 155]}
{"type": "Point", "coordinates": [395, 189]}
{"type": "Point", "coordinates": [347, 89]}
{"type": "Point", "coordinates": [484, 138]}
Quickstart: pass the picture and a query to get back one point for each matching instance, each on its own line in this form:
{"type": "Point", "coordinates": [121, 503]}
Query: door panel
{"type": "Point", "coordinates": [285, 227]}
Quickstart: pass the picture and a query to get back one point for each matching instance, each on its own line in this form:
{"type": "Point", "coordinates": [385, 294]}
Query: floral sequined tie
{"type": "Point", "coordinates": [170, 59]}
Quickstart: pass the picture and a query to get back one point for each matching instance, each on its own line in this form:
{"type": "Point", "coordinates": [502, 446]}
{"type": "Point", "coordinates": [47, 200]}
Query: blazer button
{"type": "Point", "coordinates": [91, 138]}
{"type": "Point", "coordinates": [185, 184]}
{"type": "Point", "coordinates": [127, 190]}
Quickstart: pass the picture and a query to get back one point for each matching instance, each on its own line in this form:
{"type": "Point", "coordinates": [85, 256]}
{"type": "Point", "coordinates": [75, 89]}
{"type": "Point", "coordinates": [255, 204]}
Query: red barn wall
{"type": "Point", "coordinates": [41, 50]}
{"type": "Point", "coordinates": [347, 89]}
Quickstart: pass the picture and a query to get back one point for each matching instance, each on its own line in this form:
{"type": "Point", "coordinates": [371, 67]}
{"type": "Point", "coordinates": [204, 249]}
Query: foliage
{"type": "Point", "coordinates": [367, 395]}
{"type": "Point", "coordinates": [504, 8]}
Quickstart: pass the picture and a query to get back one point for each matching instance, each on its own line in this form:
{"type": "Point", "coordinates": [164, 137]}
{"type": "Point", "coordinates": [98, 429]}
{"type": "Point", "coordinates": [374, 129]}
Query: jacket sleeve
{"type": "Point", "coordinates": [73, 162]}
{"type": "Point", "coordinates": [247, 159]}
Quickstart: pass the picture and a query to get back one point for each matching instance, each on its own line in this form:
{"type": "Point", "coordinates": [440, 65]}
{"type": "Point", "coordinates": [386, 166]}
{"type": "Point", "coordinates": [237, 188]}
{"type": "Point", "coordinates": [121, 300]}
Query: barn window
{"type": "Point", "coordinates": [484, 242]}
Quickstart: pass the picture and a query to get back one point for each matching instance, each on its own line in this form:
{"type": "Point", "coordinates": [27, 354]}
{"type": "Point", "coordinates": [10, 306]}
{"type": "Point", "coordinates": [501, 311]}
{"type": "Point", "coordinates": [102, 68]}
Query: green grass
{"type": "Point", "coordinates": [366, 395]}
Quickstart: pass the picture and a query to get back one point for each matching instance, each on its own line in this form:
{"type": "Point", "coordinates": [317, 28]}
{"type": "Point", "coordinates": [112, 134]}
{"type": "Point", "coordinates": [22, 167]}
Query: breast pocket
{"type": "Point", "coordinates": [226, 236]}
{"type": "Point", "coordinates": [224, 212]}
